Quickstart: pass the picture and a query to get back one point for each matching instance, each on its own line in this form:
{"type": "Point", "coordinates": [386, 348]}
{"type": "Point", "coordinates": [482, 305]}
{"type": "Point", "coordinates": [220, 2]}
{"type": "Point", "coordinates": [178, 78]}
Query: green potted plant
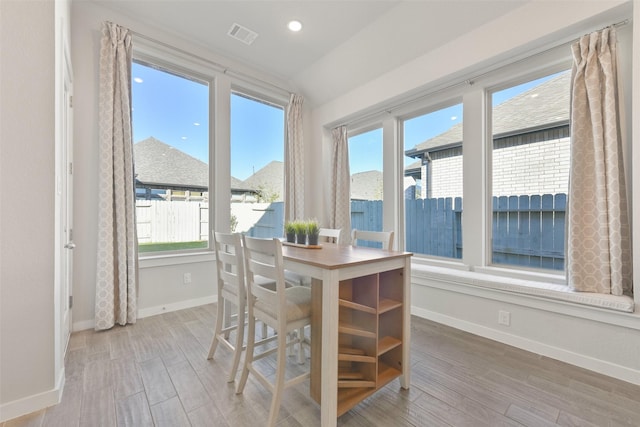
{"type": "Point", "coordinates": [301, 232]}
{"type": "Point", "coordinates": [313, 231]}
{"type": "Point", "coordinates": [290, 231]}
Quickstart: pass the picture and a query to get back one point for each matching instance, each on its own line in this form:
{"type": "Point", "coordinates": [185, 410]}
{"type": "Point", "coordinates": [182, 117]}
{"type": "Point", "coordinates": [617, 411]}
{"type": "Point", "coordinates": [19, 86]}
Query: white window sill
{"type": "Point", "coordinates": [162, 260]}
{"type": "Point", "coordinates": [538, 285]}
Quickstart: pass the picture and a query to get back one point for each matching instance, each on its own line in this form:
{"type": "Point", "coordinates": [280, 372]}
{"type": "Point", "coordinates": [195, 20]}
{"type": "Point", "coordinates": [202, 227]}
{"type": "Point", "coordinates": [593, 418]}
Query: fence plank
{"type": "Point", "coordinates": [559, 209]}
{"type": "Point", "coordinates": [512, 255]}
{"type": "Point", "coordinates": [524, 230]}
{"type": "Point", "coordinates": [457, 223]}
{"type": "Point", "coordinates": [535, 227]}
{"type": "Point", "coordinates": [546, 244]}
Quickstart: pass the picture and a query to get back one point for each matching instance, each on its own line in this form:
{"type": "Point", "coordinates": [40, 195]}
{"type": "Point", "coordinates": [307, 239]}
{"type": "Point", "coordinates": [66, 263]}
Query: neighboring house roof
{"type": "Point", "coordinates": [366, 185]}
{"type": "Point", "coordinates": [160, 164]}
{"type": "Point", "coordinates": [270, 178]}
{"type": "Point", "coordinates": [236, 183]}
{"type": "Point", "coordinates": [157, 163]}
{"type": "Point", "coordinates": [414, 168]}
{"type": "Point", "coordinates": [524, 112]}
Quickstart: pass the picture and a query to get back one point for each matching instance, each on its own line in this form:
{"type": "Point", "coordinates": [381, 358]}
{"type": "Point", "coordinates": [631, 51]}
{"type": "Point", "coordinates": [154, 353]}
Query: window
{"type": "Point", "coordinates": [530, 164]}
{"type": "Point", "coordinates": [433, 183]}
{"type": "Point", "coordinates": [257, 166]}
{"type": "Point", "coordinates": [365, 166]}
{"type": "Point", "coordinates": [171, 152]}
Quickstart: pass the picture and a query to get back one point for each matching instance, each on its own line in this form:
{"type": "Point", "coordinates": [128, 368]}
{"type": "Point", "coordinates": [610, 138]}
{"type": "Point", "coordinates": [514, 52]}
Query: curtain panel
{"type": "Point", "coordinates": [340, 184]}
{"type": "Point", "coordinates": [598, 232]}
{"type": "Point", "coordinates": [294, 176]}
{"type": "Point", "coordinates": [116, 273]}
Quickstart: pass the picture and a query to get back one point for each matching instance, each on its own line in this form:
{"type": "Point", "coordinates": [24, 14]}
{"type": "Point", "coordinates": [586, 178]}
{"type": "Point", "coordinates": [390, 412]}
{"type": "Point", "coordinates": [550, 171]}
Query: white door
{"type": "Point", "coordinates": [66, 202]}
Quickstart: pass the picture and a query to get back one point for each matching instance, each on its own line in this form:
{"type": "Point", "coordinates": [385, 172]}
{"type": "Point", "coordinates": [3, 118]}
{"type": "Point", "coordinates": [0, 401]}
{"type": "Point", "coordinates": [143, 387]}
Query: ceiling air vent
{"type": "Point", "coordinates": [241, 33]}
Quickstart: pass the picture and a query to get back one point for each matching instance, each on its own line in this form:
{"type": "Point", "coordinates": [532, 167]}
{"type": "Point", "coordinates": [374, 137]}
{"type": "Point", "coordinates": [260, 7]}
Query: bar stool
{"type": "Point", "coordinates": [231, 290]}
{"type": "Point", "coordinates": [286, 310]}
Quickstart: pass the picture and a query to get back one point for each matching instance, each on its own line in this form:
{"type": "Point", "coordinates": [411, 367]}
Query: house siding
{"type": "Point", "coordinates": [531, 163]}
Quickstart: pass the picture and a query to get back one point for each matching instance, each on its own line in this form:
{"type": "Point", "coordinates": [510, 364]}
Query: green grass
{"type": "Point", "coordinates": [172, 246]}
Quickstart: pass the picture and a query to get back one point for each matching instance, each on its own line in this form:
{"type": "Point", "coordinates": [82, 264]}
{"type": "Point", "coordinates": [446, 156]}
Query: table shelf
{"type": "Point", "coordinates": [370, 327]}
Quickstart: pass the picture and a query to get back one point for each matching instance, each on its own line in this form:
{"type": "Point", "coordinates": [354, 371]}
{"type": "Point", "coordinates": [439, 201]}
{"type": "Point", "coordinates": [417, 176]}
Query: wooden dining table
{"type": "Point", "coordinates": [360, 328]}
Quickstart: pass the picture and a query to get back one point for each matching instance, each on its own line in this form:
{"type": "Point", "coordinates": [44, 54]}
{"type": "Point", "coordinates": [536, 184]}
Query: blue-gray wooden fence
{"type": "Point", "coordinates": [434, 226]}
{"type": "Point", "coordinates": [527, 230]}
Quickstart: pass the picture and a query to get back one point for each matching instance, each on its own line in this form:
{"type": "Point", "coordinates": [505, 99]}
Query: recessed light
{"type": "Point", "coordinates": [183, 138]}
{"type": "Point", "coordinates": [294, 26]}
{"type": "Point", "coordinates": [534, 95]}
{"type": "Point", "coordinates": [137, 80]}
{"type": "Point", "coordinates": [196, 124]}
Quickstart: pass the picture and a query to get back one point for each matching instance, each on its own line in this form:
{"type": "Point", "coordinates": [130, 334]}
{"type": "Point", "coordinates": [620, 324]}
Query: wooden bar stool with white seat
{"type": "Point", "coordinates": [385, 238]}
{"type": "Point", "coordinates": [286, 310]}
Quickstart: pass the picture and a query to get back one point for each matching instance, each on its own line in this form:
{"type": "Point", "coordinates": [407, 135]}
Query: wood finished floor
{"type": "Point", "coordinates": [156, 373]}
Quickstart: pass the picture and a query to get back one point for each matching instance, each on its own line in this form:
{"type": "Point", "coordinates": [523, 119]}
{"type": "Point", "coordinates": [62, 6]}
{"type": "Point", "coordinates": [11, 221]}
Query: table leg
{"type": "Point", "coordinates": [405, 379]}
{"type": "Point", "coordinates": [329, 387]}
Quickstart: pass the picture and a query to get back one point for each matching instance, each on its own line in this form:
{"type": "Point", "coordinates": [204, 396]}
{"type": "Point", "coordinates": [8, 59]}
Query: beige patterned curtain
{"type": "Point", "coordinates": [340, 184]}
{"type": "Point", "coordinates": [294, 176]}
{"type": "Point", "coordinates": [598, 246]}
{"type": "Point", "coordinates": [116, 277]}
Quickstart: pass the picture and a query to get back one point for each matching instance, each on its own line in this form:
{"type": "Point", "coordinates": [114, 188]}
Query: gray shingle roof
{"type": "Point", "coordinates": [269, 178]}
{"type": "Point", "coordinates": [159, 163]}
{"type": "Point", "coordinates": [516, 115]}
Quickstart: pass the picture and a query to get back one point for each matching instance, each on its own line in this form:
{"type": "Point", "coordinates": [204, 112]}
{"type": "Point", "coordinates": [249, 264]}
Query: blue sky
{"type": "Point", "coordinates": [174, 110]}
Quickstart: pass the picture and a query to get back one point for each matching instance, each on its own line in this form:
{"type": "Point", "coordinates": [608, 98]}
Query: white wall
{"type": "Point", "coordinates": [27, 168]}
{"type": "Point", "coordinates": [601, 340]}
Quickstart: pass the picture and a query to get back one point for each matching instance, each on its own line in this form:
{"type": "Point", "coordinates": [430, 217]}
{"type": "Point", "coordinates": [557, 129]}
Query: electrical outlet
{"type": "Point", "coordinates": [186, 278]}
{"type": "Point", "coordinates": [504, 318]}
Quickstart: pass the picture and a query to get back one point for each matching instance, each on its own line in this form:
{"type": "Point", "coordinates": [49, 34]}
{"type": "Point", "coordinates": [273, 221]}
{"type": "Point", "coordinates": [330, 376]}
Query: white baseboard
{"type": "Point", "coordinates": [152, 311]}
{"type": "Point", "coordinates": [181, 305]}
{"type": "Point", "coordinates": [36, 402]}
{"type": "Point", "coordinates": [600, 366]}
{"type": "Point", "coordinates": [83, 325]}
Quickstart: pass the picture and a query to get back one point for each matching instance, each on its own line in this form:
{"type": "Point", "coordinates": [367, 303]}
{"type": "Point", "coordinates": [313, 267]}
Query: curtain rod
{"type": "Point", "coordinates": [468, 81]}
{"type": "Point", "coordinates": [220, 67]}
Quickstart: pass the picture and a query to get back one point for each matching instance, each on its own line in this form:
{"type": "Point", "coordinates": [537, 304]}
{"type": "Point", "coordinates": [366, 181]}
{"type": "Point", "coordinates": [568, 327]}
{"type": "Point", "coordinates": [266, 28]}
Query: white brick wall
{"type": "Point", "coordinates": [537, 168]}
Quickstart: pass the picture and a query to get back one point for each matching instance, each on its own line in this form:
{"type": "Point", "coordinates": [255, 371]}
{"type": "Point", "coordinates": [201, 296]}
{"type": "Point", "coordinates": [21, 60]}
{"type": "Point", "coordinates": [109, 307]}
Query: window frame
{"type": "Point", "coordinates": [221, 85]}
{"type": "Point", "coordinates": [438, 103]}
{"type": "Point", "coordinates": [247, 91]}
{"type": "Point", "coordinates": [519, 74]}
{"type": "Point", "coordinates": [148, 56]}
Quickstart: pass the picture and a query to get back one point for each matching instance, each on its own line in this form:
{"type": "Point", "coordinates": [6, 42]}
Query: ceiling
{"type": "Point", "coordinates": [342, 43]}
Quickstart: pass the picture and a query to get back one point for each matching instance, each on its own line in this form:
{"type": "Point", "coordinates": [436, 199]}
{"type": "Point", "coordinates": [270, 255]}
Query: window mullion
{"type": "Point", "coordinates": [475, 210]}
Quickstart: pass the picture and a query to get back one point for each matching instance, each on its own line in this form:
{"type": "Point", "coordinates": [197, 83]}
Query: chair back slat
{"type": "Point", "coordinates": [263, 260]}
{"type": "Point", "coordinates": [229, 263]}
{"type": "Point", "coordinates": [331, 235]}
{"type": "Point", "coordinates": [385, 238]}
